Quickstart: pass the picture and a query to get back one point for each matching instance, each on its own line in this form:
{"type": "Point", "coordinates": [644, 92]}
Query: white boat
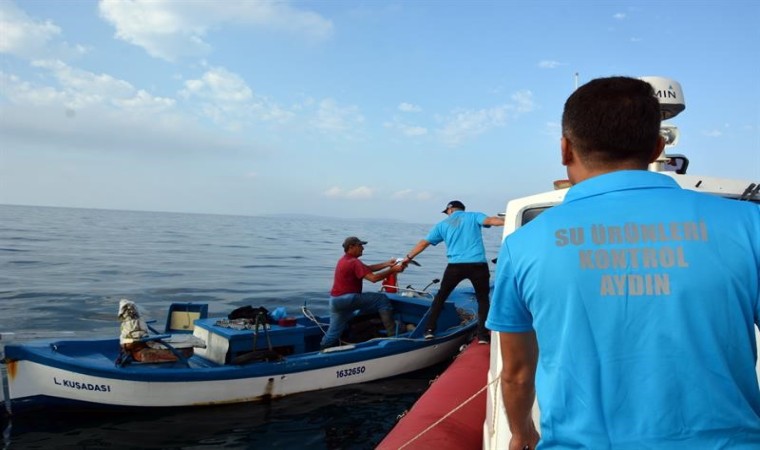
{"type": "Point", "coordinates": [436, 431]}
{"type": "Point", "coordinates": [237, 361]}
{"type": "Point", "coordinates": [518, 212]}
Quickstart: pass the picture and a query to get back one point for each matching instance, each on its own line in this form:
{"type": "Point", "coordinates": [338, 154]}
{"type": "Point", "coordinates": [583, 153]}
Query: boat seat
{"type": "Point", "coordinates": [182, 316]}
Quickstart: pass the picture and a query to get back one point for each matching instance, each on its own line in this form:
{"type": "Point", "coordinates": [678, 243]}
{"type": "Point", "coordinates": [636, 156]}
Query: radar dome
{"type": "Point", "coordinates": [669, 93]}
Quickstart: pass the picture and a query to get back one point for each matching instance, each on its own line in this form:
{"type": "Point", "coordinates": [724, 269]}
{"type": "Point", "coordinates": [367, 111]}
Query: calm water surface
{"type": "Point", "coordinates": [63, 271]}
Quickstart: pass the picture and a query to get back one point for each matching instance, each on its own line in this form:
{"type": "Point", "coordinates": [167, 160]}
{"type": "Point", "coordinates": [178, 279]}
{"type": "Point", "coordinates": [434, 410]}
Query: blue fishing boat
{"type": "Point", "coordinates": [199, 360]}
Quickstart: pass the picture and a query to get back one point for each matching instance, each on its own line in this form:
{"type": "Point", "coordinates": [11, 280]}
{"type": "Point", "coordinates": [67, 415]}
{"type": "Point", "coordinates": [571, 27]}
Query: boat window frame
{"type": "Point", "coordinates": [531, 213]}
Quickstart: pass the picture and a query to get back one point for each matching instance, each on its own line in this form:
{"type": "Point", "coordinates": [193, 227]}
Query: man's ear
{"type": "Point", "coordinates": [567, 151]}
{"type": "Point", "coordinates": [658, 149]}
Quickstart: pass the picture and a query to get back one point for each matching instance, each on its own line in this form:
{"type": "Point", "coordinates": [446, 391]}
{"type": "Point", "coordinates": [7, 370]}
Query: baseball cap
{"type": "Point", "coordinates": [454, 204]}
{"type": "Point", "coordinates": [352, 240]}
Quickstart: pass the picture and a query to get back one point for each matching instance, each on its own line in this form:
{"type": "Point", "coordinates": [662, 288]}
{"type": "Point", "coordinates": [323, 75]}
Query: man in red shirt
{"type": "Point", "coordinates": [346, 295]}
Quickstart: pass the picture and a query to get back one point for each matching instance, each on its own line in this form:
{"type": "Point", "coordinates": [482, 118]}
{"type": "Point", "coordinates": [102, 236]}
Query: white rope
{"type": "Point", "coordinates": [401, 290]}
{"type": "Point", "coordinates": [309, 315]}
{"type": "Point", "coordinates": [433, 425]}
{"type": "Point", "coordinates": [494, 402]}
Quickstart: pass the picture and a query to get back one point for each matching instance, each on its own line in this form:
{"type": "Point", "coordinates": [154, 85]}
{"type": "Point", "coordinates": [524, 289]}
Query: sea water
{"type": "Point", "coordinates": [63, 271]}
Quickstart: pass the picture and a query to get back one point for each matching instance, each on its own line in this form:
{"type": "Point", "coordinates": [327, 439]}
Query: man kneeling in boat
{"type": "Point", "coordinates": [346, 295]}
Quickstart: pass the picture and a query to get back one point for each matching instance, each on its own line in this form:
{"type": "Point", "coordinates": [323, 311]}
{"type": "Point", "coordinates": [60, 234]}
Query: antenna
{"type": "Point", "coordinates": [576, 80]}
{"type": "Point", "coordinates": [672, 103]}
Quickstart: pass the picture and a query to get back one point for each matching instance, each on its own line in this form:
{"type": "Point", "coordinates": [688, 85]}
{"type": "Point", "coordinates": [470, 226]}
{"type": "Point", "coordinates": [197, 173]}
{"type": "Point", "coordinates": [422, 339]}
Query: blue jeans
{"type": "Point", "coordinates": [343, 308]}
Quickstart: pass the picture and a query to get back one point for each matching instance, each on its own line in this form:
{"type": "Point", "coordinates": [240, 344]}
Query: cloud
{"type": "Point", "coordinates": [21, 34]}
{"type": "Point", "coordinates": [408, 107]}
{"type": "Point", "coordinates": [409, 194]}
{"type": "Point", "coordinates": [171, 30]}
{"type": "Point", "coordinates": [405, 129]}
{"type": "Point", "coordinates": [217, 95]}
{"type": "Point", "coordinates": [28, 38]}
{"type": "Point", "coordinates": [219, 85]}
{"type": "Point", "coordinates": [619, 16]}
{"type": "Point", "coordinates": [78, 88]}
{"type": "Point", "coordinates": [22, 92]}
{"type": "Point", "coordinates": [359, 193]}
{"type": "Point", "coordinates": [404, 193]}
{"type": "Point", "coordinates": [334, 118]}
{"type": "Point", "coordinates": [86, 112]}
{"type": "Point", "coordinates": [98, 129]}
{"type": "Point", "coordinates": [549, 64]}
{"type": "Point", "coordinates": [411, 130]}
{"type": "Point", "coordinates": [226, 99]}
{"type": "Point", "coordinates": [553, 129]}
{"type": "Point", "coordinates": [223, 97]}
{"type": "Point", "coordinates": [84, 86]}
{"type": "Point", "coordinates": [144, 101]}
{"type": "Point", "coordinates": [463, 124]}
{"type": "Point", "coordinates": [334, 191]}
{"type": "Point", "coordinates": [524, 101]}
{"type": "Point", "coordinates": [712, 133]}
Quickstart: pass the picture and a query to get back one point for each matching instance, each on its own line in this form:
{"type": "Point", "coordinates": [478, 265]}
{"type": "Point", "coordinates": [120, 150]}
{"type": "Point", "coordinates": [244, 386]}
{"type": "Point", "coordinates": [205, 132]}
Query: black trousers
{"type": "Point", "coordinates": [479, 276]}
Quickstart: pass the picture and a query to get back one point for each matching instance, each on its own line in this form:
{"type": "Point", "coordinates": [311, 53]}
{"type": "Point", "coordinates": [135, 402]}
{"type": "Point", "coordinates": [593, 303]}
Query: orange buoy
{"type": "Point", "coordinates": [390, 283]}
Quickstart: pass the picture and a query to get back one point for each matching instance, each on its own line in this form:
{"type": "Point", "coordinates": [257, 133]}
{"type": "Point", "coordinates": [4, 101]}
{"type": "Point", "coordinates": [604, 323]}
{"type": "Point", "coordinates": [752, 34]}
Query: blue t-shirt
{"type": "Point", "coordinates": [644, 298]}
{"type": "Point", "coordinates": [463, 236]}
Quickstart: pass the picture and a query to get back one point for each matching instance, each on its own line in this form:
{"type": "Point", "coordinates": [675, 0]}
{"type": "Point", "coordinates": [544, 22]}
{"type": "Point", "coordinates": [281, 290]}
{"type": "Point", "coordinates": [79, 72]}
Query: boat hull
{"type": "Point", "coordinates": [236, 362]}
{"type": "Point", "coordinates": [33, 383]}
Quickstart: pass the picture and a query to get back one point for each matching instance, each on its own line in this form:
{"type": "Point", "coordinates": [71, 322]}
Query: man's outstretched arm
{"type": "Point", "coordinates": [419, 248]}
{"type": "Point", "coordinates": [494, 221]}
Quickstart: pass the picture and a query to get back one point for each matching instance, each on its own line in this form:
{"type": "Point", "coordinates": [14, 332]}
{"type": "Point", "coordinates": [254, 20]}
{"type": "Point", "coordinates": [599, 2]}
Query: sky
{"type": "Point", "coordinates": [348, 109]}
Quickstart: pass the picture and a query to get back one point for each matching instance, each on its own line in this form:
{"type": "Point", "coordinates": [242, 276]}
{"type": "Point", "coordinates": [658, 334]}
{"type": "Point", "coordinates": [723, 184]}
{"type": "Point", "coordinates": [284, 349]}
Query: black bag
{"type": "Point", "coordinates": [249, 312]}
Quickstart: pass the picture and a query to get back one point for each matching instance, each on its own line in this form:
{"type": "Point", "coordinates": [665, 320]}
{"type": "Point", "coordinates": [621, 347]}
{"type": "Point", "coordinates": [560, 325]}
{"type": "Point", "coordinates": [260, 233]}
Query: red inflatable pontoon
{"type": "Point", "coordinates": [463, 379]}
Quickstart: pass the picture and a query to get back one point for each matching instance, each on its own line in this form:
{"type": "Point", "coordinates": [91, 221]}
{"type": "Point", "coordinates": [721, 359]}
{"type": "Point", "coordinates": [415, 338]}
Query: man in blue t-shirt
{"type": "Point", "coordinates": [461, 231]}
{"type": "Point", "coordinates": [630, 309]}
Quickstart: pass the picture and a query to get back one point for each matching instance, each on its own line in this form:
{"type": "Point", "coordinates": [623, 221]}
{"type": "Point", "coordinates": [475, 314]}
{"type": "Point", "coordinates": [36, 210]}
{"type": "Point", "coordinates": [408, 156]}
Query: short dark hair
{"type": "Point", "coordinates": [613, 119]}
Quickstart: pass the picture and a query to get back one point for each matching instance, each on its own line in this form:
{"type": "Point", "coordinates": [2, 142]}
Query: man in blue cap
{"type": "Point", "coordinates": [462, 233]}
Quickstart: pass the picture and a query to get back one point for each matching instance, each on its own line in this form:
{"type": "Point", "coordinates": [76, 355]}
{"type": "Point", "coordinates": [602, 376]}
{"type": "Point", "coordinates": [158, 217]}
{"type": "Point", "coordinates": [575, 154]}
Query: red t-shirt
{"type": "Point", "coordinates": [349, 273]}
